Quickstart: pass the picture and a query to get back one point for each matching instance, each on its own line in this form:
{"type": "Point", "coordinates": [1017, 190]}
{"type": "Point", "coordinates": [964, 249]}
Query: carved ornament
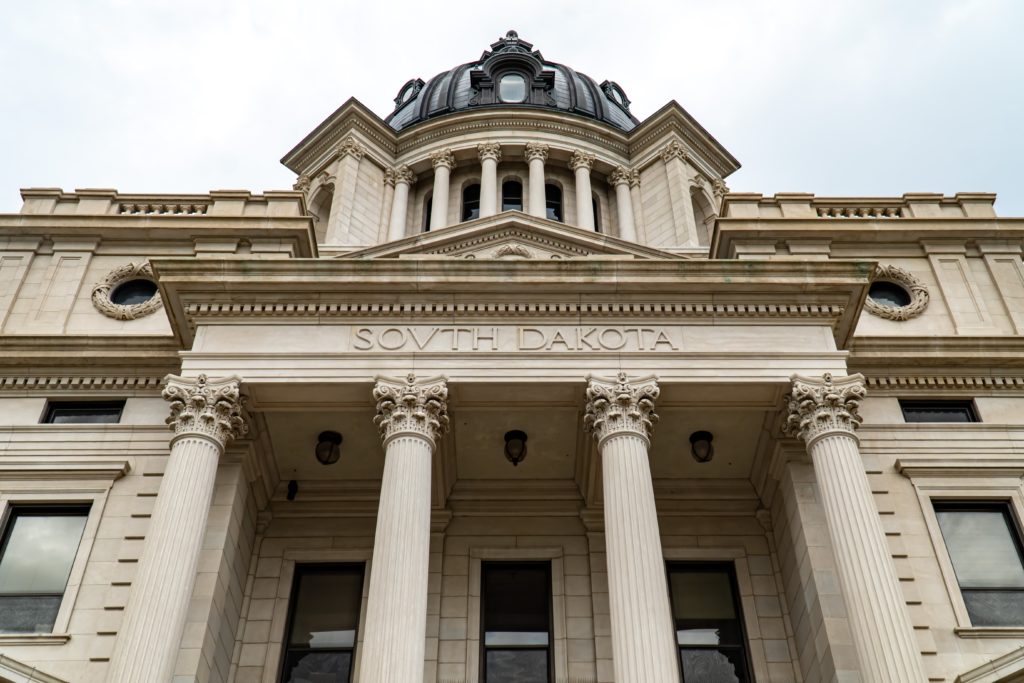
{"type": "Point", "coordinates": [411, 407]}
{"type": "Point", "coordinates": [489, 150]}
{"type": "Point", "coordinates": [204, 407]}
{"type": "Point", "coordinates": [443, 158]}
{"type": "Point", "coordinates": [620, 406]}
{"type": "Point", "coordinates": [351, 146]}
{"type": "Point", "coordinates": [674, 150]}
{"type": "Point", "coordinates": [624, 176]}
{"type": "Point", "coordinates": [536, 150]}
{"type": "Point", "coordinates": [399, 174]}
{"type": "Point", "coordinates": [512, 250]}
{"type": "Point", "coordinates": [719, 188]}
{"type": "Point", "coordinates": [817, 407]}
{"type": "Point", "coordinates": [130, 271]}
{"type": "Point", "coordinates": [301, 183]}
{"type": "Point", "coordinates": [581, 160]}
{"type": "Point", "coordinates": [918, 295]}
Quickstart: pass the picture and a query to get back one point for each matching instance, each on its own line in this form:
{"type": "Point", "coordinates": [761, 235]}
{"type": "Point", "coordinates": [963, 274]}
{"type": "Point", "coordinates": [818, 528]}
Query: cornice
{"type": "Point", "coordinates": [80, 382]}
{"type": "Point", "coordinates": [943, 383]}
{"type": "Point", "coordinates": [35, 469]}
{"type": "Point", "coordinates": [960, 467]}
{"type": "Point", "coordinates": [672, 118]}
{"type": "Point", "coordinates": [936, 356]}
{"type": "Point", "coordinates": [352, 115]}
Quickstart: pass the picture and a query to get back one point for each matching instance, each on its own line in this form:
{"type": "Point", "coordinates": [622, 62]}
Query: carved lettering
{"type": "Point", "coordinates": [509, 338]}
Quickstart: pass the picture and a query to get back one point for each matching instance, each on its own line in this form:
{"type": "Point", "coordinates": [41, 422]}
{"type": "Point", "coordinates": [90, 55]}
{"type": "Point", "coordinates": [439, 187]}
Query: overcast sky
{"type": "Point", "coordinates": [850, 97]}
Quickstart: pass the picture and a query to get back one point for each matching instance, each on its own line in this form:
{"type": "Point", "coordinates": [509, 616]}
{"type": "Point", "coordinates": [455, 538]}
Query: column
{"type": "Point", "coordinates": [412, 416]}
{"type": "Point", "coordinates": [638, 206]}
{"type": "Point", "coordinates": [620, 178]}
{"type": "Point", "coordinates": [677, 160]}
{"type": "Point", "coordinates": [350, 153]}
{"type": "Point", "coordinates": [823, 413]}
{"type": "Point", "coordinates": [490, 155]}
{"type": "Point", "coordinates": [402, 178]}
{"type": "Point", "coordinates": [444, 162]}
{"type": "Point", "coordinates": [581, 163]}
{"type": "Point", "coordinates": [205, 415]}
{"type": "Point", "coordinates": [620, 414]}
{"type": "Point", "coordinates": [536, 155]}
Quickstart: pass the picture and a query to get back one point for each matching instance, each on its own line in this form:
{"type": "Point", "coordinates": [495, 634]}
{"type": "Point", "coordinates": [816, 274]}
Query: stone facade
{"type": "Point", "coordinates": [646, 305]}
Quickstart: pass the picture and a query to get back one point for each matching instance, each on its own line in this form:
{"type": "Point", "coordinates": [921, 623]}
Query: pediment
{"type": "Point", "coordinates": [1008, 668]}
{"type": "Point", "coordinates": [511, 235]}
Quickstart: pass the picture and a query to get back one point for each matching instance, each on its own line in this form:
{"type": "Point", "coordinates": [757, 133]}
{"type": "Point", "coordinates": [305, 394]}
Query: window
{"type": "Point", "coordinates": [984, 548]}
{"type": "Point", "coordinates": [889, 294]}
{"type": "Point", "coordinates": [471, 202]}
{"type": "Point", "coordinates": [83, 412]}
{"type": "Point", "coordinates": [597, 215]}
{"type": "Point", "coordinates": [321, 637]}
{"type": "Point", "coordinates": [511, 196]}
{"type": "Point", "coordinates": [938, 411]}
{"type": "Point", "coordinates": [512, 88]}
{"type": "Point", "coordinates": [516, 622]}
{"type": "Point", "coordinates": [428, 206]}
{"type": "Point", "coordinates": [709, 624]}
{"type": "Point", "coordinates": [38, 548]}
{"type": "Point", "coordinates": [553, 195]}
{"type": "Point", "coordinates": [133, 292]}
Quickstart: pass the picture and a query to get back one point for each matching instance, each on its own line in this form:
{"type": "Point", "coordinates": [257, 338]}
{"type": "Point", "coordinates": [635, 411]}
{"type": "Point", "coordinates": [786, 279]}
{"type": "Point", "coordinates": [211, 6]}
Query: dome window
{"type": "Point", "coordinates": [553, 195]}
{"type": "Point", "coordinates": [511, 196]}
{"type": "Point", "coordinates": [616, 94]}
{"type": "Point", "coordinates": [471, 202]}
{"type": "Point", "coordinates": [512, 88]}
{"type": "Point", "coordinates": [410, 90]}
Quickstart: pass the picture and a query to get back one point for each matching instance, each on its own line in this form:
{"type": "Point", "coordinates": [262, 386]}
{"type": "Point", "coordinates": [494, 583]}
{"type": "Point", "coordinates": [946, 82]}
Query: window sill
{"type": "Point", "coordinates": [34, 638]}
{"type": "Point", "coordinates": [990, 632]}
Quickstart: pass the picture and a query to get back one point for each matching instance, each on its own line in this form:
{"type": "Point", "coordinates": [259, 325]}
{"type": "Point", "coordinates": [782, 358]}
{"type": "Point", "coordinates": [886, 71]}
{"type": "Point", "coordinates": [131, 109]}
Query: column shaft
{"type": "Point", "coordinates": [581, 164]}
{"type": "Point", "coordinates": [882, 631]}
{"type": "Point", "coordinates": [624, 203]}
{"type": "Point", "coordinates": [490, 155]}
{"type": "Point", "coordinates": [536, 155]}
{"type": "Point", "coordinates": [396, 618]}
{"type": "Point", "coordinates": [403, 178]}
{"type": "Point", "coordinates": [204, 415]}
{"type": "Point", "coordinates": [443, 162]}
{"type": "Point", "coordinates": [643, 646]}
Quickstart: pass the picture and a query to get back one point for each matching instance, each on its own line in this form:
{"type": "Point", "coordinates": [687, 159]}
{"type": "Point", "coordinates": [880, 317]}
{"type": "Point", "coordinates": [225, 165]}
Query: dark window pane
{"type": "Point", "coordinates": [133, 292]}
{"type": "Point", "coordinates": [889, 294]}
{"type": "Point", "coordinates": [713, 666]}
{"type": "Point", "coordinates": [511, 196]}
{"type": "Point", "coordinates": [517, 666]}
{"type": "Point", "coordinates": [326, 610]}
{"type": "Point", "coordinates": [982, 547]}
{"type": "Point", "coordinates": [938, 411]}
{"type": "Point", "coordinates": [470, 202]}
{"type": "Point", "coordinates": [702, 595]}
{"type": "Point", "coordinates": [28, 613]}
{"type": "Point", "coordinates": [317, 667]}
{"type": "Point", "coordinates": [84, 412]}
{"type": "Point", "coordinates": [995, 608]}
{"type": "Point", "coordinates": [427, 211]}
{"type": "Point", "coordinates": [516, 597]}
{"type": "Point", "coordinates": [597, 215]}
{"type": "Point", "coordinates": [512, 88]}
{"type": "Point", "coordinates": [553, 195]}
{"type": "Point", "coordinates": [38, 551]}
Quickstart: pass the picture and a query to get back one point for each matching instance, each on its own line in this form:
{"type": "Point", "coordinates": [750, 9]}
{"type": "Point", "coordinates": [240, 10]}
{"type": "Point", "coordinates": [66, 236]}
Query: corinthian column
{"type": "Point", "coordinates": [823, 414]}
{"type": "Point", "coordinates": [205, 415]}
{"type": "Point", "coordinates": [411, 416]}
{"type": "Point", "coordinates": [444, 162]}
{"type": "Point", "coordinates": [620, 413]}
{"type": "Point", "coordinates": [490, 155]}
{"type": "Point", "coordinates": [402, 178]}
{"type": "Point", "coordinates": [581, 163]}
{"type": "Point", "coordinates": [621, 178]}
{"type": "Point", "coordinates": [536, 155]}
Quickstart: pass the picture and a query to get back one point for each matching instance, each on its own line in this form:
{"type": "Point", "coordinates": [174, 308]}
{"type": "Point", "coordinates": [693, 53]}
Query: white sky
{"type": "Point", "coordinates": [844, 97]}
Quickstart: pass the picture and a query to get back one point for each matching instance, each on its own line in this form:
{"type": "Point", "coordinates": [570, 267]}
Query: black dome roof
{"type": "Point", "coordinates": [478, 84]}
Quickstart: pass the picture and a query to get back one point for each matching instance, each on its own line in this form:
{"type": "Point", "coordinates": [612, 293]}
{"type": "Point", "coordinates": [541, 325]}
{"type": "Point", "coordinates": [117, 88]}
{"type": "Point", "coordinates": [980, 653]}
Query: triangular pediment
{"type": "Point", "coordinates": [1008, 668]}
{"type": "Point", "coordinates": [511, 235]}
{"type": "Point", "coordinates": [14, 671]}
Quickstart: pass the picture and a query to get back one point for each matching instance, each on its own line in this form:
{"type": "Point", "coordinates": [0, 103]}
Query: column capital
{"type": "Point", "coordinates": [205, 407]}
{"type": "Point", "coordinates": [301, 183]}
{"type": "Point", "coordinates": [443, 158]}
{"type": "Point", "coordinates": [581, 159]}
{"type": "Point", "coordinates": [674, 150]}
{"type": "Point", "coordinates": [408, 406]}
{"type": "Point", "coordinates": [719, 188]}
{"type": "Point", "coordinates": [350, 146]}
{"type": "Point", "coordinates": [816, 407]}
{"type": "Point", "coordinates": [536, 150]}
{"type": "Point", "coordinates": [624, 176]}
{"type": "Point", "coordinates": [489, 150]}
{"type": "Point", "coordinates": [621, 405]}
{"type": "Point", "coordinates": [399, 174]}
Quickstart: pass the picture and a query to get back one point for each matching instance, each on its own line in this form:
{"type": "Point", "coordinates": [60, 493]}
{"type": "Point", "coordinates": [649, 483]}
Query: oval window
{"type": "Point", "coordinates": [512, 88]}
{"type": "Point", "coordinates": [133, 292]}
{"type": "Point", "coordinates": [889, 294]}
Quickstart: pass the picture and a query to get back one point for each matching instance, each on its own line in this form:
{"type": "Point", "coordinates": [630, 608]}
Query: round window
{"type": "Point", "coordinates": [512, 88]}
{"type": "Point", "coordinates": [133, 292]}
{"type": "Point", "coordinates": [889, 294]}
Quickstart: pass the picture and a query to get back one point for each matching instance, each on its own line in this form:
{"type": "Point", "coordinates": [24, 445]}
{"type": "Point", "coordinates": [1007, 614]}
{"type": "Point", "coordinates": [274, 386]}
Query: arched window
{"type": "Point", "coordinates": [511, 195]}
{"type": "Point", "coordinates": [428, 205]}
{"type": "Point", "coordinates": [512, 88]}
{"type": "Point", "coordinates": [597, 214]}
{"type": "Point", "coordinates": [471, 202]}
{"type": "Point", "coordinates": [320, 208]}
{"type": "Point", "coordinates": [553, 195]}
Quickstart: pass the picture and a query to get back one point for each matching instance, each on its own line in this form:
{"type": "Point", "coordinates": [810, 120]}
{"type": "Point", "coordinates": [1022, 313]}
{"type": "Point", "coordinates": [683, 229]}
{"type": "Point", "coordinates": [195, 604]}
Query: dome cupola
{"type": "Point", "coordinates": [511, 74]}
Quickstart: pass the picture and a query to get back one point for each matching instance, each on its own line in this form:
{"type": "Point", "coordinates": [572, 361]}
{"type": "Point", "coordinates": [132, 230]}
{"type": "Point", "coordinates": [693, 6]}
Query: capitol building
{"type": "Point", "coordinates": [510, 388]}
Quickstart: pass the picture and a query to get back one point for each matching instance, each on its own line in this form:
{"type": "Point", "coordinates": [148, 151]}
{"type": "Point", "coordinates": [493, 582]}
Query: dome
{"type": "Point", "coordinates": [512, 74]}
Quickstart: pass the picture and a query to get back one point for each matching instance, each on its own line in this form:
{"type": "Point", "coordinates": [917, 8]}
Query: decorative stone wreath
{"type": "Point", "coordinates": [130, 271]}
{"type": "Point", "coordinates": [902, 278]}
